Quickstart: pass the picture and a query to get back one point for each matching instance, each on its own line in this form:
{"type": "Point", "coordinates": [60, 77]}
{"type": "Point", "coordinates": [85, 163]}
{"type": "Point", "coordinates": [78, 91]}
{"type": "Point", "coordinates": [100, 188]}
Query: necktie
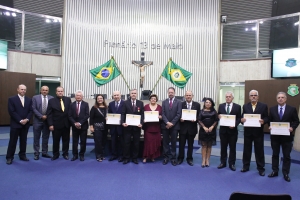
{"type": "Point", "coordinates": [22, 101]}
{"type": "Point", "coordinates": [133, 106]}
{"type": "Point", "coordinates": [77, 109]}
{"type": "Point", "coordinates": [44, 105]}
{"type": "Point", "coordinates": [280, 113]}
{"type": "Point", "coordinates": [171, 103]}
{"type": "Point", "coordinates": [189, 106]}
{"type": "Point", "coordinates": [253, 107]}
{"type": "Point", "coordinates": [116, 105]}
{"type": "Point", "coordinates": [62, 105]}
{"type": "Point", "coordinates": [228, 109]}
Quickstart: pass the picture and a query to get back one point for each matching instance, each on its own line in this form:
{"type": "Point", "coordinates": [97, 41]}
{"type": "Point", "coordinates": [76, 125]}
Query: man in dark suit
{"type": "Point", "coordinates": [40, 125]}
{"type": "Point", "coordinates": [171, 113]}
{"type": "Point", "coordinates": [20, 111]}
{"type": "Point", "coordinates": [254, 134]}
{"type": "Point", "coordinates": [116, 131]}
{"type": "Point", "coordinates": [283, 113]}
{"type": "Point", "coordinates": [134, 107]}
{"type": "Point", "coordinates": [78, 116]}
{"type": "Point", "coordinates": [58, 121]}
{"type": "Point", "coordinates": [229, 134]}
{"type": "Point", "coordinates": [188, 129]}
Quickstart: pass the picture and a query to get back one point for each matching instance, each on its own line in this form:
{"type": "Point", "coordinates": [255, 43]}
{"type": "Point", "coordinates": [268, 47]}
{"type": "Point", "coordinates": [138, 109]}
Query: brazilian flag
{"type": "Point", "coordinates": [105, 73]}
{"type": "Point", "coordinates": [177, 75]}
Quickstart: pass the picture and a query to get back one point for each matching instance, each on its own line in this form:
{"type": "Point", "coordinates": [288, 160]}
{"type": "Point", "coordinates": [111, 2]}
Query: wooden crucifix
{"type": "Point", "coordinates": [142, 64]}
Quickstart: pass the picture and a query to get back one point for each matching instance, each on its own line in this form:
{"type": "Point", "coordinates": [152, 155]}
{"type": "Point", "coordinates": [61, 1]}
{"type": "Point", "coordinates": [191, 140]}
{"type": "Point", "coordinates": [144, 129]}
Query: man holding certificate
{"type": "Point", "coordinates": [132, 119]}
{"type": "Point", "coordinates": [116, 129]}
{"type": "Point", "coordinates": [282, 113]}
{"type": "Point", "coordinates": [230, 117]}
{"type": "Point", "coordinates": [188, 127]}
{"type": "Point", "coordinates": [171, 113]}
{"type": "Point", "coordinates": [255, 116]}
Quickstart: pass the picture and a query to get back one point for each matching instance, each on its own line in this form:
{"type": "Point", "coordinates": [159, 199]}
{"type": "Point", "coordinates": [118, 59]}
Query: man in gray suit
{"type": "Point", "coordinates": [39, 106]}
{"type": "Point", "coordinates": [171, 113]}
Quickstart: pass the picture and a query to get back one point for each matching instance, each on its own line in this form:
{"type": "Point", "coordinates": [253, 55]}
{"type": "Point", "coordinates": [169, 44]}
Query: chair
{"type": "Point", "coordinates": [104, 95]}
{"type": "Point", "coordinates": [146, 94]}
{"type": "Point", "coordinates": [248, 196]}
{"type": "Point", "coordinates": [180, 98]}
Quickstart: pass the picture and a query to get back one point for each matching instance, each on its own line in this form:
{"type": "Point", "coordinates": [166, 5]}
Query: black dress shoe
{"type": "Point", "coordinates": [66, 157]}
{"type": "Point", "coordinates": [135, 161]}
{"type": "Point", "coordinates": [273, 174]}
{"type": "Point", "coordinates": [120, 160]}
{"type": "Point", "coordinates": [36, 157]}
{"type": "Point", "coordinates": [45, 155]}
{"type": "Point", "coordinates": [112, 158]}
{"type": "Point", "coordinates": [9, 161]}
{"type": "Point", "coordinates": [221, 166]}
{"type": "Point", "coordinates": [261, 173]}
{"type": "Point", "coordinates": [165, 161]}
{"type": "Point", "coordinates": [286, 178]}
{"type": "Point", "coordinates": [179, 161]}
{"type": "Point", "coordinates": [202, 166]}
{"type": "Point", "coordinates": [74, 158]}
{"type": "Point", "coordinates": [232, 167]}
{"type": "Point", "coordinates": [81, 158]}
{"type": "Point", "coordinates": [190, 163]}
{"type": "Point", "coordinates": [244, 170]}
{"type": "Point", "coordinates": [125, 162]}
{"type": "Point", "coordinates": [24, 159]}
{"type": "Point", "coordinates": [174, 163]}
{"type": "Point", "coordinates": [206, 165]}
{"type": "Point", "coordinates": [54, 158]}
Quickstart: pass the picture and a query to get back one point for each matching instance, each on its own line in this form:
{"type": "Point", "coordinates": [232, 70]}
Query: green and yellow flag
{"type": "Point", "coordinates": [177, 75]}
{"type": "Point", "coordinates": [105, 73]}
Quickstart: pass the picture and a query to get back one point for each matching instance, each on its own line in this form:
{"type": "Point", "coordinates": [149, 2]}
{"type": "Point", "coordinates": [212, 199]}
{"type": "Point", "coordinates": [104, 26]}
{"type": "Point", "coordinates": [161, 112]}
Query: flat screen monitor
{"type": "Point", "coordinates": [286, 63]}
{"type": "Point", "coordinates": [3, 54]}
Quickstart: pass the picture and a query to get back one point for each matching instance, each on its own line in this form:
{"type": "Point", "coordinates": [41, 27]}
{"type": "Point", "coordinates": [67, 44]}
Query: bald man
{"type": "Point", "coordinates": [40, 125]}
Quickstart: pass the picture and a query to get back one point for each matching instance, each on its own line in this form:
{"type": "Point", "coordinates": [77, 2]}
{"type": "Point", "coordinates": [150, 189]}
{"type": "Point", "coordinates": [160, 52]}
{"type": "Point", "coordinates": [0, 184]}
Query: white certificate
{"type": "Point", "coordinates": [151, 116]}
{"type": "Point", "coordinates": [188, 114]}
{"type": "Point", "coordinates": [133, 120]}
{"type": "Point", "coordinates": [252, 120]}
{"type": "Point", "coordinates": [227, 120]}
{"type": "Point", "coordinates": [280, 128]}
{"type": "Point", "coordinates": [114, 119]}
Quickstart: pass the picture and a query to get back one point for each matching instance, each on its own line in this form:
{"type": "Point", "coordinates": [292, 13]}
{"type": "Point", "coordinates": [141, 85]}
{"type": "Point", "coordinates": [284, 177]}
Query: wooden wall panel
{"type": "Point", "coordinates": [9, 82]}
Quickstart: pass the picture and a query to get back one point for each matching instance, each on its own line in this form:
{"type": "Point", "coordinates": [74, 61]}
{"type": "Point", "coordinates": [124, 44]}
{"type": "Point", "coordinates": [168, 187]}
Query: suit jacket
{"type": "Point", "coordinates": [290, 115]}
{"type": "Point", "coordinates": [235, 110]}
{"type": "Point", "coordinates": [127, 109]}
{"type": "Point", "coordinates": [171, 114]}
{"type": "Point", "coordinates": [17, 112]}
{"type": "Point", "coordinates": [37, 105]}
{"type": "Point", "coordinates": [112, 109]}
{"type": "Point", "coordinates": [55, 116]}
{"type": "Point", "coordinates": [187, 126]}
{"type": "Point", "coordinates": [83, 115]}
{"type": "Point", "coordinates": [261, 109]}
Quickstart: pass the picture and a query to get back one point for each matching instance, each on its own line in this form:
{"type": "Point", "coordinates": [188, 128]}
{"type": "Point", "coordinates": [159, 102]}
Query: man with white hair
{"type": "Point", "coordinates": [229, 134]}
{"type": "Point", "coordinates": [78, 116]}
{"type": "Point", "coordinates": [254, 134]}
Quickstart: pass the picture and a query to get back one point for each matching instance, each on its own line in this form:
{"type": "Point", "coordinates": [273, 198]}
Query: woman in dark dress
{"type": "Point", "coordinates": [98, 125]}
{"type": "Point", "coordinates": [152, 132]}
{"type": "Point", "coordinates": [208, 119]}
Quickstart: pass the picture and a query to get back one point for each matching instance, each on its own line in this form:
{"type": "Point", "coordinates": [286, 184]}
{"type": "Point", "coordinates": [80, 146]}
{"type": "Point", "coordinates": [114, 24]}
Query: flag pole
{"type": "Point", "coordinates": [120, 72]}
{"type": "Point", "coordinates": [160, 76]}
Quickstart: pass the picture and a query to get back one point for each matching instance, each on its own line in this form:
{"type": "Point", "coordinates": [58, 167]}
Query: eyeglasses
{"type": "Point", "coordinates": [253, 95]}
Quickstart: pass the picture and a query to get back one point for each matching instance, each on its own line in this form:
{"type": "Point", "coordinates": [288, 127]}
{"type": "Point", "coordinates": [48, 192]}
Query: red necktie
{"type": "Point", "coordinates": [171, 103]}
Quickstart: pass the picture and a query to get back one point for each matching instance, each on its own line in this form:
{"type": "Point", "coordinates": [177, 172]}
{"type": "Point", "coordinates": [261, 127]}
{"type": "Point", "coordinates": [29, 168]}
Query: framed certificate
{"type": "Point", "coordinates": [227, 120]}
{"type": "Point", "coordinates": [280, 128]}
{"type": "Point", "coordinates": [252, 120]}
{"type": "Point", "coordinates": [151, 116]}
{"type": "Point", "coordinates": [188, 114]}
{"type": "Point", "coordinates": [133, 120]}
{"type": "Point", "coordinates": [114, 119]}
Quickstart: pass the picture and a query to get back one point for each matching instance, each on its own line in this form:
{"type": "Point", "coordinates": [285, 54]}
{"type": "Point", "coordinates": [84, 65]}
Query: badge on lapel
{"type": "Point", "coordinates": [138, 108]}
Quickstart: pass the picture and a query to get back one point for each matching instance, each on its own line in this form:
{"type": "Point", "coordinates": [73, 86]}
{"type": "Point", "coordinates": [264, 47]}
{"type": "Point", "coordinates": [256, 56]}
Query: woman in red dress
{"type": "Point", "coordinates": [152, 132]}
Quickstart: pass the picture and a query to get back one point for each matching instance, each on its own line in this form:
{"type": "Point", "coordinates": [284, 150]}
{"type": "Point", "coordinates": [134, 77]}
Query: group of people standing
{"type": "Point", "coordinates": [58, 114]}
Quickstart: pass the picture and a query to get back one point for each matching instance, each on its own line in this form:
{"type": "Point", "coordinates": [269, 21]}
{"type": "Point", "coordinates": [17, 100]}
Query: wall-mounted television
{"type": "Point", "coordinates": [3, 54]}
{"type": "Point", "coordinates": [286, 63]}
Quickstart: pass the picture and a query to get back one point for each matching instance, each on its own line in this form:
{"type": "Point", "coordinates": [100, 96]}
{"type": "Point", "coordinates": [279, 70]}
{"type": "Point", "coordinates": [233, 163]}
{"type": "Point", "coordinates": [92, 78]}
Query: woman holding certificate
{"type": "Point", "coordinates": [152, 132]}
{"type": "Point", "coordinates": [98, 125]}
{"type": "Point", "coordinates": [208, 119]}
